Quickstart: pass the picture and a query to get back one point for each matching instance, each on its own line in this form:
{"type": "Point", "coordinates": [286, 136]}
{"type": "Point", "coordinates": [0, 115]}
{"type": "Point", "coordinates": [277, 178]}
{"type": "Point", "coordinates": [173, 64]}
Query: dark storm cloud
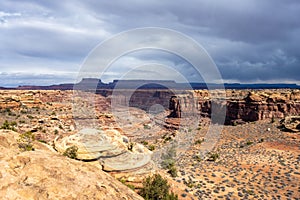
{"type": "Point", "coordinates": [250, 41]}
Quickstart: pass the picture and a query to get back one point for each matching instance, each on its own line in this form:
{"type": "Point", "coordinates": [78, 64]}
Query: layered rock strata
{"type": "Point", "coordinates": [114, 151]}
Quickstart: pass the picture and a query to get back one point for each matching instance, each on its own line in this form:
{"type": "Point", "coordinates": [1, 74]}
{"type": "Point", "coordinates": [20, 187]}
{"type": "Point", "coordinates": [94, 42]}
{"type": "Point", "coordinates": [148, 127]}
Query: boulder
{"type": "Point", "coordinates": [126, 161]}
{"type": "Point", "coordinates": [252, 97]}
{"type": "Point", "coordinates": [93, 144]}
{"type": "Point", "coordinates": [291, 123]}
{"type": "Point", "coordinates": [109, 147]}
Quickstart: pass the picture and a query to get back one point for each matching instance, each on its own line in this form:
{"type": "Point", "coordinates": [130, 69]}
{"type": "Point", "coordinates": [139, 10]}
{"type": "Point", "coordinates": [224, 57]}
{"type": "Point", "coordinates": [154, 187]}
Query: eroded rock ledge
{"type": "Point", "coordinates": [113, 150]}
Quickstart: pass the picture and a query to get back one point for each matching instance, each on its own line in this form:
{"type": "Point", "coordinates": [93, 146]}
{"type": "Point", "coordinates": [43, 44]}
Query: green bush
{"type": "Point", "coordinates": [261, 140]}
{"type": "Point", "coordinates": [197, 158]}
{"type": "Point", "coordinates": [25, 141]}
{"type": "Point", "coordinates": [71, 152]}
{"type": "Point", "coordinates": [151, 147]}
{"type": "Point", "coordinates": [127, 184]}
{"type": "Point", "coordinates": [9, 125]}
{"type": "Point", "coordinates": [169, 161]}
{"type": "Point", "coordinates": [157, 188]}
{"type": "Point", "coordinates": [213, 156]}
{"type": "Point", "coordinates": [173, 171]}
{"type": "Point", "coordinates": [199, 142]}
{"type": "Point", "coordinates": [147, 126]}
{"type": "Point", "coordinates": [130, 146]}
{"type": "Point", "coordinates": [30, 117]}
{"type": "Point", "coordinates": [273, 119]}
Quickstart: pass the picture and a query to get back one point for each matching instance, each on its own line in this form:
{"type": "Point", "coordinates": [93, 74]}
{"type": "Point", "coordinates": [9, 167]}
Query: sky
{"type": "Point", "coordinates": [250, 41]}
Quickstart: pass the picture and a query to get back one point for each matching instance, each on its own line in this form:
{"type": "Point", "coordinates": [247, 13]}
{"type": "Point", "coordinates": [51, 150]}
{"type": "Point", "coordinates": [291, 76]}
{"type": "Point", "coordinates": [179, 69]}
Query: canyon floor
{"type": "Point", "coordinates": [253, 160]}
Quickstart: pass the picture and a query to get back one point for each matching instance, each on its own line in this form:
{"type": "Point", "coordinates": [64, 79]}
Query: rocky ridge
{"type": "Point", "coordinates": [43, 174]}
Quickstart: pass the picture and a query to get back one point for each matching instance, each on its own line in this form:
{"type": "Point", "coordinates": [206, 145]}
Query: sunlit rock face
{"type": "Point", "coordinates": [43, 174]}
{"type": "Point", "coordinates": [245, 106]}
{"type": "Point", "coordinates": [112, 149]}
{"type": "Point", "coordinates": [291, 123]}
{"type": "Point", "coordinates": [93, 144]}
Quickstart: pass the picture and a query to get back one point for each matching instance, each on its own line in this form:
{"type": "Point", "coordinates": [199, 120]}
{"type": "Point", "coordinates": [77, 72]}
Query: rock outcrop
{"type": "Point", "coordinates": [256, 105]}
{"type": "Point", "coordinates": [43, 174]}
{"type": "Point", "coordinates": [175, 107]}
{"type": "Point", "coordinates": [113, 150]}
{"type": "Point", "coordinates": [291, 123]}
{"type": "Point", "coordinates": [93, 144]}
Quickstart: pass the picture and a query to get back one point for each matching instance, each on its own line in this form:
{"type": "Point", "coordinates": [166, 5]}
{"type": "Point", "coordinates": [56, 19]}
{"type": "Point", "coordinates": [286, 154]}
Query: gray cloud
{"type": "Point", "coordinates": [250, 41]}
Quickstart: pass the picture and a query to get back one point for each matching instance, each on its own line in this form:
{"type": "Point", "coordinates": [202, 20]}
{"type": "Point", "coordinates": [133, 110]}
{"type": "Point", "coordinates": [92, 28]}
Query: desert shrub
{"type": "Point", "coordinates": [122, 180]}
{"type": "Point", "coordinates": [166, 138]}
{"type": "Point", "coordinates": [144, 142]}
{"type": "Point", "coordinates": [151, 147]}
{"type": "Point", "coordinates": [25, 141]}
{"type": "Point", "coordinates": [9, 125]}
{"type": "Point", "coordinates": [197, 158]}
{"type": "Point", "coordinates": [147, 126]}
{"type": "Point", "coordinates": [250, 192]}
{"type": "Point", "coordinates": [189, 183]}
{"type": "Point", "coordinates": [71, 152]}
{"type": "Point", "coordinates": [199, 142]}
{"type": "Point", "coordinates": [130, 186]}
{"type": "Point", "coordinates": [5, 125]}
{"type": "Point", "coordinates": [157, 188]}
{"type": "Point", "coordinates": [42, 141]}
{"type": "Point", "coordinates": [273, 119]}
{"type": "Point", "coordinates": [173, 171]}
{"type": "Point", "coordinates": [249, 143]}
{"type": "Point", "coordinates": [12, 114]}
{"type": "Point", "coordinates": [23, 111]}
{"type": "Point", "coordinates": [30, 117]}
{"type": "Point", "coordinates": [169, 161]}
{"type": "Point", "coordinates": [213, 156]}
{"type": "Point", "coordinates": [261, 140]}
{"type": "Point", "coordinates": [130, 146]}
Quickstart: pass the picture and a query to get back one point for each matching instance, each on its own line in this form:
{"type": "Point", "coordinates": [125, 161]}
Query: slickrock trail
{"type": "Point", "coordinates": [256, 157]}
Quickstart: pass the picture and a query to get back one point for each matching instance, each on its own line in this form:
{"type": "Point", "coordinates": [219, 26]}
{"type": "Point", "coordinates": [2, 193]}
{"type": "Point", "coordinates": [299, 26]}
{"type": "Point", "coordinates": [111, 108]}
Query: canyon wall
{"type": "Point", "coordinates": [241, 105]}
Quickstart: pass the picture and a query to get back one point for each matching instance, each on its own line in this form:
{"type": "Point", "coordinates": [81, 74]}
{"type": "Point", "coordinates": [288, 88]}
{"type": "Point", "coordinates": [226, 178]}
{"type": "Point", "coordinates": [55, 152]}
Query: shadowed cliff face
{"type": "Point", "coordinates": [175, 107]}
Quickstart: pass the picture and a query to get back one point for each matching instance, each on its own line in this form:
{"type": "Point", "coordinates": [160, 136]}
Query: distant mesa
{"type": "Point", "coordinates": [97, 84]}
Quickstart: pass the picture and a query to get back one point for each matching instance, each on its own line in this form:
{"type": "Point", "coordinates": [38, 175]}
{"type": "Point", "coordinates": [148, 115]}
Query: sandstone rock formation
{"type": "Point", "coordinates": [42, 174]}
{"type": "Point", "coordinates": [92, 144]}
{"type": "Point", "coordinates": [245, 106]}
{"type": "Point", "coordinates": [113, 150]}
{"type": "Point", "coordinates": [175, 107]}
{"type": "Point", "coordinates": [291, 123]}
